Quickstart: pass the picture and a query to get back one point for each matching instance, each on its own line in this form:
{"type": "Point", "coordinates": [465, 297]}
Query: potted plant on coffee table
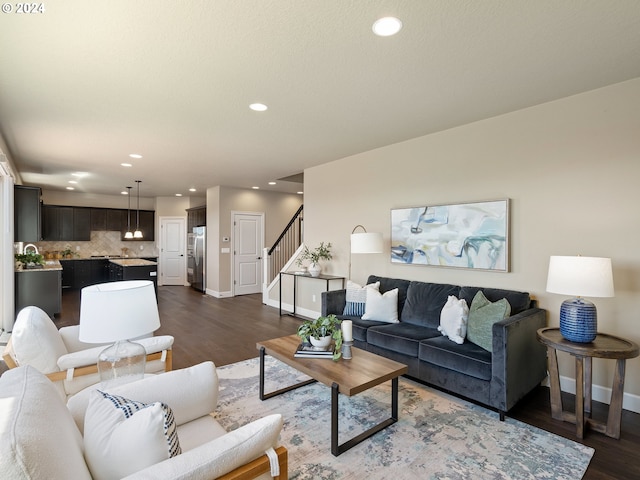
{"type": "Point", "coordinates": [321, 331]}
{"type": "Point", "coordinates": [323, 252]}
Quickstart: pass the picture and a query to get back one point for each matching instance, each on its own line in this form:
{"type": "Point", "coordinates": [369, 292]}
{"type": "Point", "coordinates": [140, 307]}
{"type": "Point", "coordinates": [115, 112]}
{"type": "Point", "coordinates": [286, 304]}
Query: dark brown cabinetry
{"type": "Point", "coordinates": [26, 214]}
{"type": "Point", "coordinates": [76, 223]}
{"type": "Point", "coordinates": [196, 217]}
{"type": "Point", "coordinates": [80, 273]}
{"type": "Point", "coordinates": [66, 223]}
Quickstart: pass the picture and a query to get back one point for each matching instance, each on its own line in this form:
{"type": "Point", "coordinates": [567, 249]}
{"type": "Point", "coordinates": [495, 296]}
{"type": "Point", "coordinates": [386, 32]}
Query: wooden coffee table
{"type": "Point", "coordinates": [349, 377]}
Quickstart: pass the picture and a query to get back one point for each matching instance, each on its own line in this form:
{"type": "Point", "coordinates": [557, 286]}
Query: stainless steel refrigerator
{"type": "Point", "coordinates": [197, 258]}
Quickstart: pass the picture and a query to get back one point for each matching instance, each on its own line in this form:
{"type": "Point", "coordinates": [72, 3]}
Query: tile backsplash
{"type": "Point", "coordinates": [102, 243]}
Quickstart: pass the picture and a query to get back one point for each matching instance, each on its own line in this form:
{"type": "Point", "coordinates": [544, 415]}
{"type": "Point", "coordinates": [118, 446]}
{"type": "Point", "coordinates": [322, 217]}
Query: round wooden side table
{"type": "Point", "coordinates": [604, 346]}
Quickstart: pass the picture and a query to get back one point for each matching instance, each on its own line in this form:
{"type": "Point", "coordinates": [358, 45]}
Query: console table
{"type": "Point", "coordinates": [604, 346]}
{"type": "Point", "coordinates": [326, 278]}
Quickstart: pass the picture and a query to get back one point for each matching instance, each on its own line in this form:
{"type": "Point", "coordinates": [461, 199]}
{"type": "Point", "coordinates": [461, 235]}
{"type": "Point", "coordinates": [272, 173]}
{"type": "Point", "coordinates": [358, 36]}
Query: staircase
{"type": "Point", "coordinates": [284, 248]}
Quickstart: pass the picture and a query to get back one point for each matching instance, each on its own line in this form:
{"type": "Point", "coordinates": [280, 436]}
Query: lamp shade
{"type": "Point", "coordinates": [580, 276]}
{"type": "Point", "coordinates": [115, 311]}
{"type": "Point", "coordinates": [365, 242]}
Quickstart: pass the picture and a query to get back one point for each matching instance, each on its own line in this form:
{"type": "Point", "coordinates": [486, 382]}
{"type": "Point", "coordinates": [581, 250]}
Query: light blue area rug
{"type": "Point", "coordinates": [436, 437]}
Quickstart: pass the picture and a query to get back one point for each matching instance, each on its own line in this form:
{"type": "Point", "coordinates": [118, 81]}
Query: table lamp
{"type": "Point", "coordinates": [582, 277]}
{"type": "Point", "coordinates": [364, 242]}
{"type": "Point", "coordinates": [117, 312]}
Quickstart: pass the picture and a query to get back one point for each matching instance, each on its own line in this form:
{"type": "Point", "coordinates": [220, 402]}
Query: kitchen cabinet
{"type": "Point", "coordinates": [196, 217]}
{"type": "Point", "coordinates": [80, 273]}
{"type": "Point", "coordinates": [108, 219]}
{"type": "Point", "coordinates": [81, 224]}
{"type": "Point", "coordinates": [99, 219]}
{"type": "Point", "coordinates": [65, 223]}
{"type": "Point", "coordinates": [26, 214]}
{"type": "Point", "coordinates": [40, 288]}
{"type": "Point", "coordinates": [146, 223]}
{"type": "Point", "coordinates": [133, 269]}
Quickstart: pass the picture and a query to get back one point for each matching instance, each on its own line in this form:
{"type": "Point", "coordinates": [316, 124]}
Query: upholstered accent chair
{"type": "Point", "coordinates": [160, 427]}
{"type": "Point", "coordinates": [68, 362]}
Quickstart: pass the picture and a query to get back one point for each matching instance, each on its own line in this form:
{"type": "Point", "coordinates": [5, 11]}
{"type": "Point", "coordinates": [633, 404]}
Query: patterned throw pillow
{"type": "Point", "coordinates": [482, 315]}
{"type": "Point", "coordinates": [123, 436]}
{"type": "Point", "coordinates": [356, 298]}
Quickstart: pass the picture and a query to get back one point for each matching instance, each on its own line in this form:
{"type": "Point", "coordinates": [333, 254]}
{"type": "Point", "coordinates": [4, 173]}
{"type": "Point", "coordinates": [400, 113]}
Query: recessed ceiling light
{"type": "Point", "coordinates": [124, 193]}
{"type": "Point", "coordinates": [386, 26]}
{"type": "Point", "coordinates": [272, 183]}
{"type": "Point", "coordinates": [178, 194]}
{"type": "Point", "coordinates": [256, 188]}
{"type": "Point", "coordinates": [300, 193]}
{"type": "Point", "coordinates": [258, 107]}
{"type": "Point", "coordinates": [72, 181]}
{"type": "Point", "coordinates": [79, 174]}
{"type": "Point", "coordinates": [135, 155]}
{"type": "Point", "coordinates": [70, 188]}
{"type": "Point", "coordinates": [126, 165]}
{"type": "Point", "coordinates": [192, 189]}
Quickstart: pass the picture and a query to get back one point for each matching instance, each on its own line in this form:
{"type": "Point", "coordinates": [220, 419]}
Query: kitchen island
{"type": "Point", "coordinates": [40, 287]}
{"type": "Point", "coordinates": [133, 269]}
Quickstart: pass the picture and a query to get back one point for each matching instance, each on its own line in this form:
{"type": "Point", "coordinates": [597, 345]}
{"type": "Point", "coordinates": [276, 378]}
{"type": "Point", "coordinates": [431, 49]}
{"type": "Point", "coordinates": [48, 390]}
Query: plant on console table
{"type": "Point", "coordinates": [323, 252]}
{"type": "Point", "coordinates": [321, 331]}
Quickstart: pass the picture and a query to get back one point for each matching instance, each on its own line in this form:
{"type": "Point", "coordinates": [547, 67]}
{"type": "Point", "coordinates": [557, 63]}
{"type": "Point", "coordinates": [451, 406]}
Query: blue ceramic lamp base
{"type": "Point", "coordinates": [578, 320]}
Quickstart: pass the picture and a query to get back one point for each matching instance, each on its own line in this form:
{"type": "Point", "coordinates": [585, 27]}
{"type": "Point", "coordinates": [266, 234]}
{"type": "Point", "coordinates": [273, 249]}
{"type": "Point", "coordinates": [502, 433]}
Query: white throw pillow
{"type": "Point", "coordinates": [453, 319]}
{"type": "Point", "coordinates": [123, 436]}
{"type": "Point", "coordinates": [382, 307]}
{"type": "Point", "coordinates": [356, 298]}
{"type": "Point", "coordinates": [36, 340]}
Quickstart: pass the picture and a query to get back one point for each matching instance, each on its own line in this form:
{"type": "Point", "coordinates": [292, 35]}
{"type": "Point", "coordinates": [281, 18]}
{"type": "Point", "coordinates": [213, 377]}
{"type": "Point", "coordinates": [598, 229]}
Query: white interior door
{"type": "Point", "coordinates": [173, 267]}
{"type": "Point", "coordinates": [248, 241]}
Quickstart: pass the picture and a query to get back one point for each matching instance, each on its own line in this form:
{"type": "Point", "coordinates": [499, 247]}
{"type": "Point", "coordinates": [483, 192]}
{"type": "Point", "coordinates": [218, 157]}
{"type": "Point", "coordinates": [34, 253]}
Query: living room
{"type": "Point", "coordinates": [569, 166]}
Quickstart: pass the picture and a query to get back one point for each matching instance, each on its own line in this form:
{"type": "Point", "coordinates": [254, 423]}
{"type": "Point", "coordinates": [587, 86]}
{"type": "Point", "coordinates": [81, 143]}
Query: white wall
{"type": "Point", "coordinates": [571, 169]}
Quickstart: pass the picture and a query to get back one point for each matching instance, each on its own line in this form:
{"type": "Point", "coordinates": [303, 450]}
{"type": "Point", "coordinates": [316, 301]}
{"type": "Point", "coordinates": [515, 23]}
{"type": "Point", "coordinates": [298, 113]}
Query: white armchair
{"type": "Point", "coordinates": [39, 438]}
{"type": "Point", "coordinates": [68, 362]}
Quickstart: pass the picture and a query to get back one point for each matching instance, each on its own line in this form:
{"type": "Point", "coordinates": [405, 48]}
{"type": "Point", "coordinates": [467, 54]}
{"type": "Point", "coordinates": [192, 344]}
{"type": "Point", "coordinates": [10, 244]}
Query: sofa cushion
{"type": "Point", "coordinates": [123, 436]}
{"type": "Point", "coordinates": [382, 307]}
{"type": "Point", "coordinates": [467, 358]}
{"type": "Point", "coordinates": [400, 337]}
{"type": "Point", "coordinates": [356, 297]}
{"type": "Point", "coordinates": [453, 319]}
{"type": "Point", "coordinates": [360, 326]}
{"type": "Point", "coordinates": [425, 301]}
{"type": "Point", "coordinates": [38, 437]}
{"type": "Point", "coordinates": [482, 315]}
{"type": "Point", "coordinates": [519, 301]}
{"type": "Point", "coordinates": [387, 284]}
{"type": "Point", "coordinates": [36, 340]}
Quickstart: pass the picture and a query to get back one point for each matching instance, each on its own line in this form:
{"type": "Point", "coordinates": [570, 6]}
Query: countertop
{"type": "Point", "coordinates": [48, 266]}
{"type": "Point", "coordinates": [132, 262]}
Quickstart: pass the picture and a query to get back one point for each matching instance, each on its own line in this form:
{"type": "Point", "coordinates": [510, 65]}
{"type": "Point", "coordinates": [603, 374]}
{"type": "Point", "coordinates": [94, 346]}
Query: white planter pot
{"type": "Point", "coordinates": [315, 269]}
{"type": "Point", "coordinates": [322, 342]}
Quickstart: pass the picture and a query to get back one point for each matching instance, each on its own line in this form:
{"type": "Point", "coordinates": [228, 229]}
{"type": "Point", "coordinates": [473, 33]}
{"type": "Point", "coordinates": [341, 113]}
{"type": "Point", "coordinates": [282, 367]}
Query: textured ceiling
{"type": "Point", "coordinates": [86, 83]}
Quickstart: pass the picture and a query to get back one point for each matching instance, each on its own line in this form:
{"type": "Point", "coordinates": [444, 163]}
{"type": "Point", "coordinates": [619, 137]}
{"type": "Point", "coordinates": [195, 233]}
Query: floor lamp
{"type": "Point", "coordinates": [364, 242]}
{"type": "Point", "coordinates": [117, 312]}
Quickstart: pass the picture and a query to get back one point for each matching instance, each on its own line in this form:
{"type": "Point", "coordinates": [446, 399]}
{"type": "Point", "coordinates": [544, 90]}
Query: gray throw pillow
{"type": "Point", "coordinates": [482, 315]}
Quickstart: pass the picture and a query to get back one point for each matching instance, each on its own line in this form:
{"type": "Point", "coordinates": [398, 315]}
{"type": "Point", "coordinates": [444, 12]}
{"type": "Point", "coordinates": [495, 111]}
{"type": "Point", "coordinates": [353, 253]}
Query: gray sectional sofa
{"type": "Point", "coordinates": [497, 379]}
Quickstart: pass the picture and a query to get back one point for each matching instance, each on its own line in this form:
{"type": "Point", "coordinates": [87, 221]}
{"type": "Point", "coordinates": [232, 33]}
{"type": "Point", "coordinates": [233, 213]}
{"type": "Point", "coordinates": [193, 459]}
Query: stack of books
{"type": "Point", "coordinates": [306, 350]}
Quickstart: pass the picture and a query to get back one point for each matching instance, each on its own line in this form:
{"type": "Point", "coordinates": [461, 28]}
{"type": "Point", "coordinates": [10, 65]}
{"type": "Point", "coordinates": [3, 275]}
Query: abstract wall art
{"type": "Point", "coordinates": [463, 235]}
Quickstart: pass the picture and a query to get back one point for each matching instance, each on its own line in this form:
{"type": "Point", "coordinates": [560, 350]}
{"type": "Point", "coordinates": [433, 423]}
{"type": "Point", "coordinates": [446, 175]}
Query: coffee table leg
{"type": "Point", "coordinates": [337, 449]}
{"type": "Point", "coordinates": [265, 396]}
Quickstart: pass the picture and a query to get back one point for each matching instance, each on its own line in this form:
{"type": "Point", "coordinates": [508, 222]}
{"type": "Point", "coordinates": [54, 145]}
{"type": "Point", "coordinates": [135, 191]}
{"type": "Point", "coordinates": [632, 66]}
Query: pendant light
{"type": "Point", "coordinates": [138, 233]}
{"type": "Point", "coordinates": [128, 234]}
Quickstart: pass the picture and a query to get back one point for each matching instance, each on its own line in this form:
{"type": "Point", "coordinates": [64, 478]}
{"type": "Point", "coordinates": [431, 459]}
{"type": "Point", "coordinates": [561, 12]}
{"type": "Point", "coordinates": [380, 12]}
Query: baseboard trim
{"type": "Point", "coordinates": [602, 394]}
{"type": "Point", "coordinates": [288, 308]}
{"type": "Point", "coordinates": [215, 293]}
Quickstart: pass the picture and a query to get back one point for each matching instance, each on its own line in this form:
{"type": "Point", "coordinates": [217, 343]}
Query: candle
{"type": "Point", "coordinates": [347, 333]}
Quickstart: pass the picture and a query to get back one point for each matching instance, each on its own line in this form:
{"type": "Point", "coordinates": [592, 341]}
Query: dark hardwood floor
{"type": "Point", "coordinates": [226, 331]}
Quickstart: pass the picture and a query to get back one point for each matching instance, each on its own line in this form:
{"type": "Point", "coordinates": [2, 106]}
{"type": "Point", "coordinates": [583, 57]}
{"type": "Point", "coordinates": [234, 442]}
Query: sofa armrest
{"type": "Point", "coordinates": [519, 361]}
{"type": "Point", "coordinates": [222, 455]}
{"type": "Point", "coordinates": [333, 302]}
